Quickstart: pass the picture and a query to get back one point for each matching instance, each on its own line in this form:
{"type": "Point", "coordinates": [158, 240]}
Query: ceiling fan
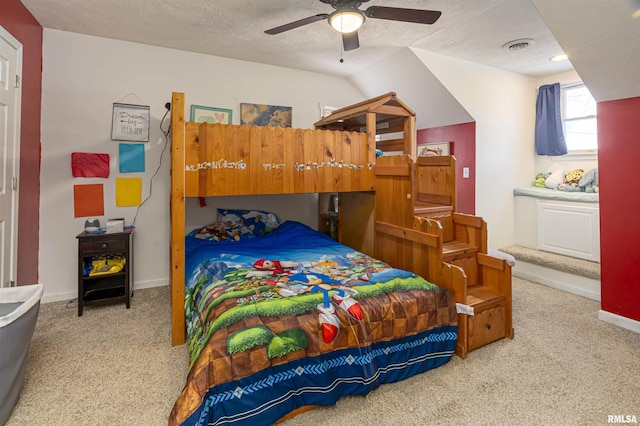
{"type": "Point", "coordinates": [347, 18]}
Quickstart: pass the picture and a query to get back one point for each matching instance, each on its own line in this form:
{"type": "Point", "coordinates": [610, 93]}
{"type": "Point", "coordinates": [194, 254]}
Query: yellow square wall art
{"type": "Point", "coordinates": [128, 192]}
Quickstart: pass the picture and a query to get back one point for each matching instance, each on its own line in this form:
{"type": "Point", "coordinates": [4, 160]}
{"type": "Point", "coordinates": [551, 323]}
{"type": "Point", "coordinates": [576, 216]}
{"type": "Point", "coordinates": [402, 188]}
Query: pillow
{"type": "Point", "coordinates": [223, 231]}
{"type": "Point", "coordinates": [258, 222]}
{"type": "Point", "coordinates": [555, 179]}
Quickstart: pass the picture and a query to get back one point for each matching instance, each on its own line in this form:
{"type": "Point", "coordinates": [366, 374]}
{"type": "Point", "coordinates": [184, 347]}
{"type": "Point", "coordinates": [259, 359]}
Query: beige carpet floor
{"type": "Point", "coordinates": [114, 366]}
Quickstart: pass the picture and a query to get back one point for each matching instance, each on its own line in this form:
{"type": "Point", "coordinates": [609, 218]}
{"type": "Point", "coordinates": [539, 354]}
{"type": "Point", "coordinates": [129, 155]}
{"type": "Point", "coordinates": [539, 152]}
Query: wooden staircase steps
{"type": "Point", "coordinates": [480, 297]}
{"type": "Point", "coordinates": [454, 250]}
{"type": "Point", "coordinates": [430, 209]}
{"type": "Point", "coordinates": [417, 227]}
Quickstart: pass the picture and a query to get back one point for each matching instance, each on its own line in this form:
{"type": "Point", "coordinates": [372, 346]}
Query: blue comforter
{"type": "Point", "coordinates": [294, 318]}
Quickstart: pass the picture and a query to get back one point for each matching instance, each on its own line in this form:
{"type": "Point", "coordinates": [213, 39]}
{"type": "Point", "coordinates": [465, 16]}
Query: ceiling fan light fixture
{"type": "Point", "coordinates": [346, 21]}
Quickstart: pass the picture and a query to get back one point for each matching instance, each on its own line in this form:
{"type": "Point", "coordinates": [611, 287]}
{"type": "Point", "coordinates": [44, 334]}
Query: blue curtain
{"type": "Point", "coordinates": [549, 134]}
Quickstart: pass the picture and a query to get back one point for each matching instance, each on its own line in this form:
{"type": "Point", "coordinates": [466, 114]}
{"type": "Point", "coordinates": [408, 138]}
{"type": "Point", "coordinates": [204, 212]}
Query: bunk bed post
{"type": "Point", "coordinates": [410, 137]}
{"type": "Point", "coordinates": [177, 218]}
{"type": "Point", "coordinates": [370, 120]}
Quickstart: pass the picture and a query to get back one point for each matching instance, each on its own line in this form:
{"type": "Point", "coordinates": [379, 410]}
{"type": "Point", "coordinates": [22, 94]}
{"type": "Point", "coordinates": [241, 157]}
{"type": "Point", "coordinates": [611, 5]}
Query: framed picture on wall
{"type": "Point", "coordinates": [265, 115]}
{"type": "Point", "coordinates": [205, 114]}
{"type": "Point", "coordinates": [434, 149]}
{"type": "Point", "coordinates": [130, 123]}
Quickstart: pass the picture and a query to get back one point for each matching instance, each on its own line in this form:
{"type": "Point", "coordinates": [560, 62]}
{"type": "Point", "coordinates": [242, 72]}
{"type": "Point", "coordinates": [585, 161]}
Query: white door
{"type": "Point", "coordinates": [10, 94]}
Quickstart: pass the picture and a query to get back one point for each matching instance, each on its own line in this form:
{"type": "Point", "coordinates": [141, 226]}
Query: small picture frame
{"type": "Point", "coordinates": [436, 149]}
{"type": "Point", "coordinates": [205, 114]}
{"type": "Point", "coordinates": [130, 123]}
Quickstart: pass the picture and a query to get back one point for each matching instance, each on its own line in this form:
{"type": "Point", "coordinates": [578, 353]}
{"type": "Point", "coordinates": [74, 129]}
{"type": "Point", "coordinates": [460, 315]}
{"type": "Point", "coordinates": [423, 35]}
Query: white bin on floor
{"type": "Point", "coordinates": [19, 307]}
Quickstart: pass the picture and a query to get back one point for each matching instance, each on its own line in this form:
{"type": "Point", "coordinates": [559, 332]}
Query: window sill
{"type": "Point", "coordinates": [577, 155]}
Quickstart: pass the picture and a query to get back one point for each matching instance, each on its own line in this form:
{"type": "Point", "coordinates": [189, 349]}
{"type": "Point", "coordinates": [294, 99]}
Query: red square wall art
{"type": "Point", "coordinates": [87, 164]}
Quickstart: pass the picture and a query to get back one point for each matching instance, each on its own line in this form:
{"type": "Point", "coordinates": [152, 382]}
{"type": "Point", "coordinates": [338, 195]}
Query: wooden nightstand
{"type": "Point", "coordinates": [113, 287]}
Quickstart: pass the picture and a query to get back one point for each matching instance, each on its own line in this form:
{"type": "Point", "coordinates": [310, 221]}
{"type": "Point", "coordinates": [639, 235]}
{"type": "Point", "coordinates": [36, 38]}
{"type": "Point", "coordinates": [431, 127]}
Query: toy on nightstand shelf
{"type": "Point", "coordinates": [91, 225]}
{"type": "Point", "coordinates": [104, 265]}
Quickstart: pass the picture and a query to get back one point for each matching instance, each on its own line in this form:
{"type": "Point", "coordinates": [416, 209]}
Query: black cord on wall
{"type": "Point", "coordinates": [166, 143]}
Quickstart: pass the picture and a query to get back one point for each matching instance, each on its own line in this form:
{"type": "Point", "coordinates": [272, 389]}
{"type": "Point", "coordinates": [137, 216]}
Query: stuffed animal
{"type": "Point", "coordinates": [540, 181]}
{"type": "Point", "coordinates": [590, 181]}
{"type": "Point", "coordinates": [573, 177]}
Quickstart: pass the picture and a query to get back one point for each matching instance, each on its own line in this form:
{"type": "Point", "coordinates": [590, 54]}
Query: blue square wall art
{"type": "Point", "coordinates": [131, 158]}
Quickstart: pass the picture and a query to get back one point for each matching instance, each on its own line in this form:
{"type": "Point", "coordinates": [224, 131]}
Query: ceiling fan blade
{"type": "Point", "coordinates": [296, 24]}
{"type": "Point", "coordinates": [350, 41]}
{"type": "Point", "coordinates": [417, 16]}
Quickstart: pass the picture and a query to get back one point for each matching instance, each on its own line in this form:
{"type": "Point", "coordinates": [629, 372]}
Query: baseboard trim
{"type": "Point", "coordinates": [138, 285]}
{"type": "Point", "coordinates": [620, 321]}
{"type": "Point", "coordinates": [57, 297]}
{"type": "Point", "coordinates": [72, 295]}
{"type": "Point", "coordinates": [575, 284]}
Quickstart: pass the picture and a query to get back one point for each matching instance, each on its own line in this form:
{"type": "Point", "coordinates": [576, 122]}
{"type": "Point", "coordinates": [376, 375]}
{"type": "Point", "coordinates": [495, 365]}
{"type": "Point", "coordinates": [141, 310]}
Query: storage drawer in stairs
{"type": "Point", "coordinates": [486, 327]}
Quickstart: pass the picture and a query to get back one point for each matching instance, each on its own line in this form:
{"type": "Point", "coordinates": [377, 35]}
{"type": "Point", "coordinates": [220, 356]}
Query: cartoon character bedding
{"type": "Point", "coordinates": [291, 318]}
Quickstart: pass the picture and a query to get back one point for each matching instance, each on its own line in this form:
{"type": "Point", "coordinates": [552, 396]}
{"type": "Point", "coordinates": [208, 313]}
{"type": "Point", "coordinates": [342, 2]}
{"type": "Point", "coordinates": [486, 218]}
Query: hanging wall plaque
{"type": "Point", "coordinates": [130, 123]}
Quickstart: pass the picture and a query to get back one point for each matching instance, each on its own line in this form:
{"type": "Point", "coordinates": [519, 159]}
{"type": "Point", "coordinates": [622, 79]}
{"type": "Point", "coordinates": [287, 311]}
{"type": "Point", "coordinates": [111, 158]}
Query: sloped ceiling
{"type": "Point", "coordinates": [602, 39]}
{"type": "Point", "coordinates": [418, 88]}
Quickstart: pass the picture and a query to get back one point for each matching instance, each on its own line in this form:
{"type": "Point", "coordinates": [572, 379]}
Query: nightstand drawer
{"type": "Point", "coordinates": [103, 245]}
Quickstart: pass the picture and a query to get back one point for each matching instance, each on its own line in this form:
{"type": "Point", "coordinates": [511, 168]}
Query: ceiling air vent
{"type": "Point", "coordinates": [520, 44]}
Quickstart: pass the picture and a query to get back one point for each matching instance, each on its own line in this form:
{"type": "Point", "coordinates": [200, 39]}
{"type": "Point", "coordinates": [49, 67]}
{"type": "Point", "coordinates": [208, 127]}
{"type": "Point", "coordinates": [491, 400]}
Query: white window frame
{"type": "Point", "coordinates": [586, 154]}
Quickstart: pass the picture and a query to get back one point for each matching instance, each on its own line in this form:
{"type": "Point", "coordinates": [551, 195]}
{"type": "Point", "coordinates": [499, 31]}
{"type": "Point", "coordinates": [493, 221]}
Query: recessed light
{"type": "Point", "coordinates": [558, 58]}
{"type": "Point", "coordinates": [519, 44]}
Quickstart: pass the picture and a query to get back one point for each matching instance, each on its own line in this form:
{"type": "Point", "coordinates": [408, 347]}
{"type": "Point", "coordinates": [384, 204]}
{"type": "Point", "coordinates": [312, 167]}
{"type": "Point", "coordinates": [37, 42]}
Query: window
{"type": "Point", "coordinates": [579, 119]}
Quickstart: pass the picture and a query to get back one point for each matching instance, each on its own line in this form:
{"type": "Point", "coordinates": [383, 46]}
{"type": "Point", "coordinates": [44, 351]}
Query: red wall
{"type": "Point", "coordinates": [463, 147]}
{"type": "Point", "coordinates": [618, 163]}
{"type": "Point", "coordinates": [18, 21]}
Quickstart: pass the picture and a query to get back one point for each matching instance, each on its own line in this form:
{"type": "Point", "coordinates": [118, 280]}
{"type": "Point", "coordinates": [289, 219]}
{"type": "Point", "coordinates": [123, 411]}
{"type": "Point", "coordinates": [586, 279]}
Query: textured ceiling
{"type": "Point", "coordinates": [600, 36]}
{"type": "Point", "coordinates": [470, 30]}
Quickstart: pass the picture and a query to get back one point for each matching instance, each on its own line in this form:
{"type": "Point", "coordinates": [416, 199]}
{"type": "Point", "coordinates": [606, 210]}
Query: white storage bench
{"type": "Point", "coordinates": [566, 223]}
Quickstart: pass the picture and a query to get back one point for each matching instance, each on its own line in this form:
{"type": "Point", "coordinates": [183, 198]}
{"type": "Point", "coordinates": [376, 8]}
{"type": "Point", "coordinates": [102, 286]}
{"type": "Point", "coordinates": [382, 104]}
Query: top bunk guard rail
{"type": "Point", "coordinates": [245, 160]}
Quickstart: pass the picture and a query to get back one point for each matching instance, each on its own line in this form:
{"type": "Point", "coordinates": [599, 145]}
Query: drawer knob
{"type": "Point", "coordinates": [488, 326]}
{"type": "Point", "coordinates": [105, 245]}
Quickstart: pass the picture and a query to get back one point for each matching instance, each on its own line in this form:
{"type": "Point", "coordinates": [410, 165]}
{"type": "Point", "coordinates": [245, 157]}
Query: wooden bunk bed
{"type": "Point", "coordinates": [336, 157]}
{"type": "Point", "coordinates": [393, 208]}
{"type": "Point", "coordinates": [214, 160]}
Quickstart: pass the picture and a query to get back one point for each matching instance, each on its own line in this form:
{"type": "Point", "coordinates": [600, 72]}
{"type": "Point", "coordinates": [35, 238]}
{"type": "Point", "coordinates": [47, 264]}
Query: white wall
{"type": "Point", "coordinates": [502, 104]}
{"type": "Point", "coordinates": [404, 74]}
{"type": "Point", "coordinates": [83, 76]}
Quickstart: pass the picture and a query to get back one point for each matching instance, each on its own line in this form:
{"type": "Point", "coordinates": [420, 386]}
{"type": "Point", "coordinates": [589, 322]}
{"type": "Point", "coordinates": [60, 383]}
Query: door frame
{"type": "Point", "coordinates": [14, 43]}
